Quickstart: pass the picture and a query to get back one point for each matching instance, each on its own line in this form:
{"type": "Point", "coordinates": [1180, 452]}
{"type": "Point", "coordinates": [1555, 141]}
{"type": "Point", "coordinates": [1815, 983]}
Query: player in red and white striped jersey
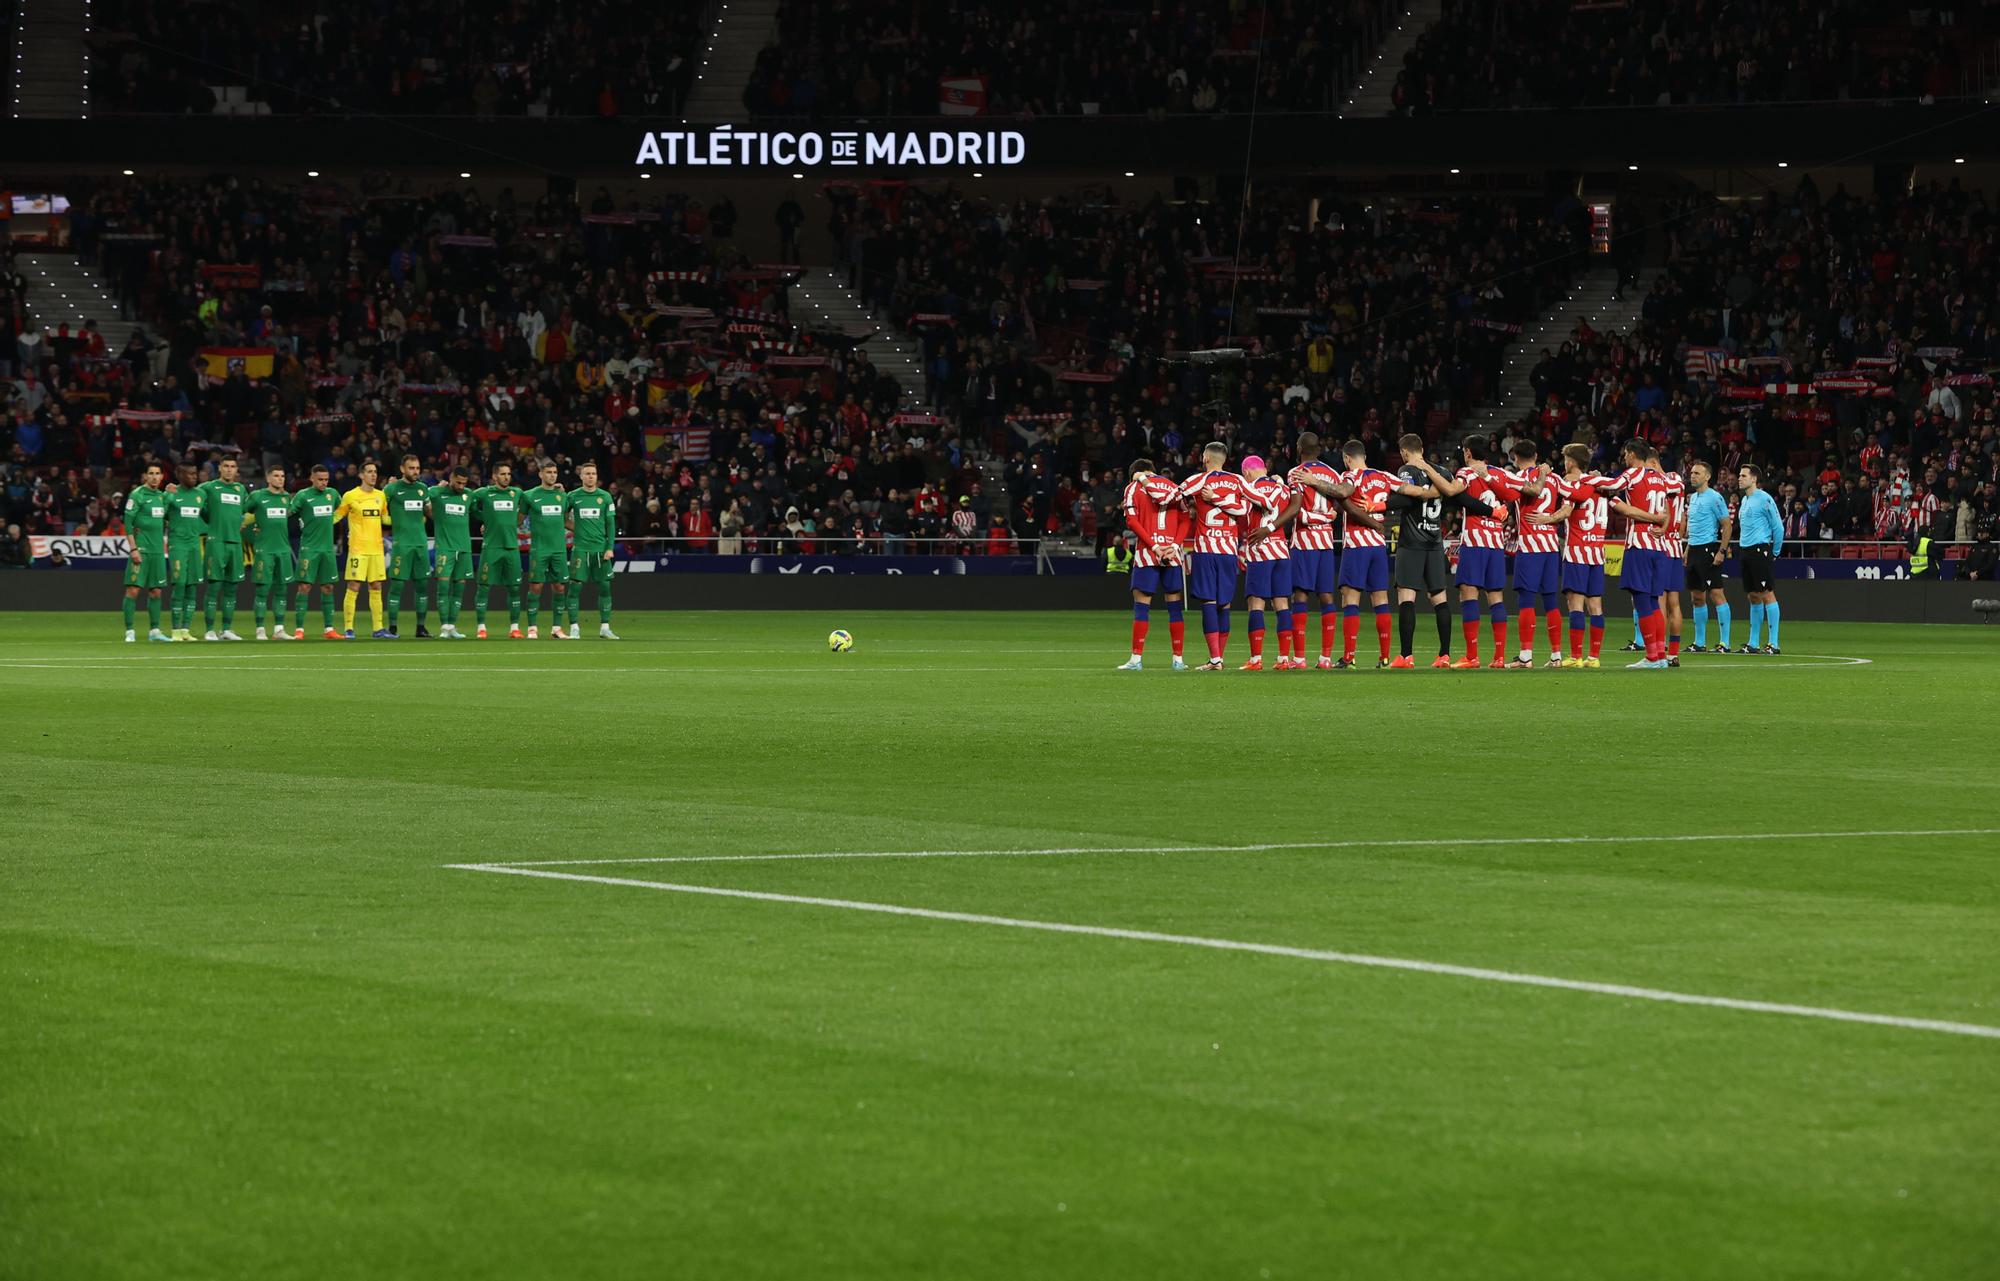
{"type": "Point", "coordinates": [1537, 553]}
{"type": "Point", "coordinates": [1315, 550]}
{"type": "Point", "coordinates": [1157, 517]}
{"type": "Point", "coordinates": [1220, 501]}
{"type": "Point", "coordinates": [1673, 563]}
{"type": "Point", "coordinates": [1482, 554]}
{"type": "Point", "coordinates": [1267, 561]}
{"type": "Point", "coordinates": [1645, 505]}
{"type": "Point", "coordinates": [1364, 564]}
{"type": "Point", "coordinates": [1586, 511]}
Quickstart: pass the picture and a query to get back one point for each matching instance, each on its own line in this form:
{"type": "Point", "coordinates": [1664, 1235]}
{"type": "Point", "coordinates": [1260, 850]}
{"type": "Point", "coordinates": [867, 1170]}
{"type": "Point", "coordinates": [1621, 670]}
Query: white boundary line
{"type": "Point", "coordinates": [1393, 843]}
{"type": "Point", "coordinates": [1271, 949]}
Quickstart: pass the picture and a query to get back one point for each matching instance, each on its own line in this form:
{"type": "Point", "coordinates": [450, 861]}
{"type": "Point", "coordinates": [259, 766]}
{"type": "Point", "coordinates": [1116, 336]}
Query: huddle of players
{"type": "Point", "coordinates": [187, 535]}
{"type": "Point", "coordinates": [1281, 533]}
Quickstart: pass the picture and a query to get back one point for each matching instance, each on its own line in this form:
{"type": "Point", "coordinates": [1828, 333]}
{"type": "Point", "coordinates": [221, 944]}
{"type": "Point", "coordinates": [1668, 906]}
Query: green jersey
{"type": "Point", "coordinates": [187, 519]}
{"type": "Point", "coordinates": [271, 513]}
{"type": "Point", "coordinates": [406, 512]}
{"type": "Point", "coordinates": [315, 508]}
{"type": "Point", "coordinates": [498, 509]}
{"type": "Point", "coordinates": [546, 507]}
{"type": "Point", "coordinates": [596, 519]}
{"type": "Point", "coordinates": [226, 502]}
{"type": "Point", "coordinates": [146, 519]}
{"type": "Point", "coordinates": [451, 517]}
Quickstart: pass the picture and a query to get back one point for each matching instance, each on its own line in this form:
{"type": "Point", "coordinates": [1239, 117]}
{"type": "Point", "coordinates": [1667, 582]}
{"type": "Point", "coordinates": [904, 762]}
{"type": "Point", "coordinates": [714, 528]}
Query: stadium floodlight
{"type": "Point", "coordinates": [1631, 169]}
{"type": "Point", "coordinates": [977, 174]}
{"type": "Point", "coordinates": [312, 173]}
{"type": "Point", "coordinates": [463, 174]}
{"type": "Point", "coordinates": [798, 175]}
{"type": "Point", "coordinates": [645, 175]}
{"type": "Point", "coordinates": [1783, 165]}
{"type": "Point", "coordinates": [1454, 171]}
{"type": "Point", "coordinates": [1129, 173]}
{"type": "Point", "coordinates": [1958, 160]}
{"type": "Point", "coordinates": [128, 173]}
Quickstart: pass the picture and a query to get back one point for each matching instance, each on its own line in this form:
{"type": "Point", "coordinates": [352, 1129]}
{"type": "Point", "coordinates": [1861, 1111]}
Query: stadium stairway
{"type": "Point", "coordinates": [50, 75]}
{"type": "Point", "coordinates": [821, 298]}
{"type": "Point", "coordinates": [742, 29]}
{"type": "Point", "coordinates": [1374, 96]}
{"type": "Point", "coordinates": [1592, 299]}
{"type": "Point", "coordinates": [64, 289]}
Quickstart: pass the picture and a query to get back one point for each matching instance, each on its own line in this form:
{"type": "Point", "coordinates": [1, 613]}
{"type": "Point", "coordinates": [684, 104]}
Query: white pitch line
{"type": "Point", "coordinates": [1271, 949]}
{"type": "Point", "coordinates": [1263, 847]}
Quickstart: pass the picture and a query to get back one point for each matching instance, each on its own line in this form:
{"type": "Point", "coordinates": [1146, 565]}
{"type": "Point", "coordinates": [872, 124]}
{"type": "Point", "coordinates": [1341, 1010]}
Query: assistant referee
{"type": "Point", "coordinates": [1708, 525]}
{"type": "Point", "coordinates": [1762, 534]}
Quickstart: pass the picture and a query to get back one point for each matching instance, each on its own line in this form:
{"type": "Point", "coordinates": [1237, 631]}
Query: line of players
{"type": "Point", "coordinates": [1280, 532]}
{"type": "Point", "coordinates": [186, 536]}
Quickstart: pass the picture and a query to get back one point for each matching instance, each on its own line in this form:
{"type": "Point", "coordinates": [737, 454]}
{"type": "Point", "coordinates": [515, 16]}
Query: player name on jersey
{"type": "Point", "coordinates": [1371, 490]}
{"type": "Point", "coordinates": [1221, 500]}
{"type": "Point", "coordinates": [1272, 496]}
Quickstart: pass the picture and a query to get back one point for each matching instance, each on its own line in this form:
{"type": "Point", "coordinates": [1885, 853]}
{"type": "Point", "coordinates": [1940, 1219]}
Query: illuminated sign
{"type": "Point", "coordinates": [727, 148]}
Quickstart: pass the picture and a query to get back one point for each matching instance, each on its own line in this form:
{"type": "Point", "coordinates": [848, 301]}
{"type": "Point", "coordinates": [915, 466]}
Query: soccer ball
{"type": "Point", "coordinates": [839, 642]}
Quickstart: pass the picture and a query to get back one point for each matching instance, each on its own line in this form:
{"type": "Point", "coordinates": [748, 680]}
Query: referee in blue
{"type": "Point", "coordinates": [1708, 547]}
{"type": "Point", "coordinates": [1761, 533]}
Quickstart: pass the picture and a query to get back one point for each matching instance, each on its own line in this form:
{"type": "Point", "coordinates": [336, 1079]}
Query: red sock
{"type": "Point", "coordinates": [1596, 639]}
{"type": "Point", "coordinates": [1176, 632]}
{"type": "Point", "coordinates": [1499, 640]}
{"type": "Point", "coordinates": [1285, 640]}
{"type": "Point", "coordinates": [1673, 647]}
{"type": "Point", "coordinates": [1576, 642]}
{"type": "Point", "coordinates": [1214, 644]}
{"type": "Point", "coordinates": [1256, 642]}
{"type": "Point", "coordinates": [1528, 629]}
{"type": "Point", "coordinates": [1555, 633]}
{"type": "Point", "coordinates": [1382, 632]}
{"type": "Point", "coordinates": [1299, 631]}
{"type": "Point", "coordinates": [1329, 624]}
{"type": "Point", "coordinates": [1656, 637]}
{"type": "Point", "coordinates": [1139, 626]}
{"type": "Point", "coordinates": [1350, 633]}
{"type": "Point", "coordinates": [1472, 642]}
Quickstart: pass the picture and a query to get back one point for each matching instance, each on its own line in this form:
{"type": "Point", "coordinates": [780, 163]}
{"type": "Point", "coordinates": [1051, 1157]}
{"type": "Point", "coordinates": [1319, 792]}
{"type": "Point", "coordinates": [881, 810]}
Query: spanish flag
{"type": "Point", "coordinates": [658, 389]}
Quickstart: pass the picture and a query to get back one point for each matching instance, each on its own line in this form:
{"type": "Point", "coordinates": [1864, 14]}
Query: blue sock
{"type": "Point", "coordinates": [1222, 613]}
{"type": "Point", "coordinates": [1350, 611]}
{"type": "Point", "coordinates": [1756, 624]}
{"type": "Point", "coordinates": [1701, 624]}
{"type": "Point", "coordinates": [1468, 611]}
{"type": "Point", "coordinates": [1175, 613]}
{"type": "Point", "coordinates": [1644, 605]}
{"type": "Point", "coordinates": [1141, 611]}
{"type": "Point", "coordinates": [1498, 613]}
{"type": "Point", "coordinates": [1576, 620]}
{"type": "Point", "coordinates": [1382, 609]}
{"type": "Point", "coordinates": [1524, 600]}
{"type": "Point", "coordinates": [1771, 622]}
{"type": "Point", "coordinates": [1722, 623]}
{"type": "Point", "coordinates": [1209, 620]}
{"type": "Point", "coordinates": [1256, 620]}
{"type": "Point", "coordinates": [1284, 618]}
{"type": "Point", "coordinates": [1549, 602]}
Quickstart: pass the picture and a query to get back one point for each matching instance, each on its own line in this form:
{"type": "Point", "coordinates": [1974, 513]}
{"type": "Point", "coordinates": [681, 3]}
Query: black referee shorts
{"type": "Point", "coordinates": [1422, 569]}
{"type": "Point", "coordinates": [1757, 570]}
{"type": "Point", "coordinates": [1704, 570]}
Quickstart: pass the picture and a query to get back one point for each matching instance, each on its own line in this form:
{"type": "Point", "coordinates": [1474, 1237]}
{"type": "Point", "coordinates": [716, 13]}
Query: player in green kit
{"type": "Point", "coordinates": [409, 545]}
{"type": "Point", "coordinates": [146, 526]}
{"type": "Point", "coordinates": [319, 565]}
{"type": "Point", "coordinates": [225, 499]}
{"type": "Point", "coordinates": [548, 549]}
{"type": "Point", "coordinates": [497, 507]}
{"type": "Point", "coordinates": [187, 524]}
{"type": "Point", "coordinates": [451, 519]}
{"type": "Point", "coordinates": [270, 519]}
{"type": "Point", "coordinates": [593, 520]}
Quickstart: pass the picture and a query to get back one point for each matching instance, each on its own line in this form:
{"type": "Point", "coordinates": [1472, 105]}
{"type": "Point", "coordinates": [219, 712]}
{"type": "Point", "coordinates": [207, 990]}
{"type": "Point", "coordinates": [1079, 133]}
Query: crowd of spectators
{"type": "Point", "coordinates": [1522, 54]}
{"type": "Point", "coordinates": [1050, 57]}
{"type": "Point", "coordinates": [1844, 344]}
{"type": "Point", "coordinates": [602, 58]}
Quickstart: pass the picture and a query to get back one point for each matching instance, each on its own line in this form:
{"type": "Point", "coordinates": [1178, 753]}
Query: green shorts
{"type": "Point", "coordinates": [548, 567]}
{"type": "Point", "coordinates": [225, 562]}
{"type": "Point", "coordinates": [273, 567]}
{"type": "Point", "coordinates": [410, 565]}
{"type": "Point", "coordinates": [590, 567]}
{"type": "Point", "coordinates": [184, 564]}
{"type": "Point", "coordinates": [319, 569]}
{"type": "Point", "coordinates": [453, 567]}
{"type": "Point", "coordinates": [501, 570]}
{"type": "Point", "coordinates": [151, 571]}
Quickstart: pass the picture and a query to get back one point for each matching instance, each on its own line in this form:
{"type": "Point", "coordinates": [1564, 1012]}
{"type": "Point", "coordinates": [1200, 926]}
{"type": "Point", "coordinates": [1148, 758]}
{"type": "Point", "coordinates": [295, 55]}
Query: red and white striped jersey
{"type": "Point", "coordinates": [1221, 500]}
{"type": "Point", "coordinates": [1540, 538]}
{"type": "Point", "coordinates": [1271, 495]}
{"type": "Point", "coordinates": [1371, 490]}
{"type": "Point", "coordinates": [1647, 490]}
{"type": "Point", "coordinates": [1314, 531]}
{"type": "Point", "coordinates": [1154, 512]}
{"type": "Point", "coordinates": [1677, 515]}
{"type": "Point", "coordinates": [1497, 487]}
{"type": "Point", "coordinates": [1590, 512]}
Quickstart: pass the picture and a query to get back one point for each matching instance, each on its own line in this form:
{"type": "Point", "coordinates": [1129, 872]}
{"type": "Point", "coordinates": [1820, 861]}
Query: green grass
{"type": "Point", "coordinates": [252, 1026]}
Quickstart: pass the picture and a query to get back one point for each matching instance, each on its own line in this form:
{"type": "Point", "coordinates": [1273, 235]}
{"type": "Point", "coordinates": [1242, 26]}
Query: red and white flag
{"type": "Point", "coordinates": [961, 95]}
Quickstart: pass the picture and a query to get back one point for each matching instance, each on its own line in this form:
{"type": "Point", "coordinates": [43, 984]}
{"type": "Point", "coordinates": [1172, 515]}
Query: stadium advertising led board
{"type": "Point", "coordinates": [729, 148]}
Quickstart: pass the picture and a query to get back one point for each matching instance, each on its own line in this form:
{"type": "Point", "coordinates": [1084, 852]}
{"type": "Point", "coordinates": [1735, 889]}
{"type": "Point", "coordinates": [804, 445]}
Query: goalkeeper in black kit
{"type": "Point", "coordinates": [1420, 565]}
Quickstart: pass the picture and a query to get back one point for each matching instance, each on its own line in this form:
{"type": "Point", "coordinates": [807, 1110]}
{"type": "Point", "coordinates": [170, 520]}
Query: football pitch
{"type": "Point", "coordinates": [709, 953]}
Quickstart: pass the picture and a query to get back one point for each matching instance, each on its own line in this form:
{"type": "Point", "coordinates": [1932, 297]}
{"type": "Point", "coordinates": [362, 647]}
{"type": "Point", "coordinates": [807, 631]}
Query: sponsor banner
{"type": "Point", "coordinates": [81, 547]}
{"type": "Point", "coordinates": [892, 566]}
{"type": "Point", "coordinates": [726, 147]}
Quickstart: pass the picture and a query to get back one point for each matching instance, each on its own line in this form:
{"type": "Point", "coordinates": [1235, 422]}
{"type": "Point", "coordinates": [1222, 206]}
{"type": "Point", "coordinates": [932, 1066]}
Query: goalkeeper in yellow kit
{"type": "Point", "coordinates": [365, 508]}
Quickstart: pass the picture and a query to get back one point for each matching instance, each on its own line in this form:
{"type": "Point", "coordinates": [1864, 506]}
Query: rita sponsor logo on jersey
{"type": "Point", "coordinates": [413, 504]}
{"type": "Point", "coordinates": [233, 499]}
{"type": "Point", "coordinates": [322, 509]}
{"type": "Point", "coordinates": [551, 509]}
{"type": "Point", "coordinates": [454, 509]}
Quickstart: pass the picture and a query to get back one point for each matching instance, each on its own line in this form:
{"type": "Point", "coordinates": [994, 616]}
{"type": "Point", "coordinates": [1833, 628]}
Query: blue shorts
{"type": "Point", "coordinates": [1365, 569]}
{"type": "Point", "coordinates": [1671, 575]}
{"type": "Point", "coordinates": [1212, 577]}
{"type": "Point", "coordinates": [1640, 574]}
{"type": "Point", "coordinates": [1584, 580]}
{"type": "Point", "coordinates": [1539, 572]}
{"type": "Point", "coordinates": [1482, 567]}
{"type": "Point", "coordinates": [1150, 580]}
{"type": "Point", "coordinates": [1270, 579]}
{"type": "Point", "coordinates": [1315, 569]}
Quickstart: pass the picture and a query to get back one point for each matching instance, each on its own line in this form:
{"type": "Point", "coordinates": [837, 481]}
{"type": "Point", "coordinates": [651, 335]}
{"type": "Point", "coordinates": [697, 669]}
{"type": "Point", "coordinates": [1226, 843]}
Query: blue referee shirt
{"type": "Point", "coordinates": [1758, 523]}
{"type": "Point", "coordinates": [1706, 512]}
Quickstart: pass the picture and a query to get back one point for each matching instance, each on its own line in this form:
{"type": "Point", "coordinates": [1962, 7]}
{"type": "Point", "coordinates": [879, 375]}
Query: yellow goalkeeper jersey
{"type": "Point", "coordinates": [365, 510]}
